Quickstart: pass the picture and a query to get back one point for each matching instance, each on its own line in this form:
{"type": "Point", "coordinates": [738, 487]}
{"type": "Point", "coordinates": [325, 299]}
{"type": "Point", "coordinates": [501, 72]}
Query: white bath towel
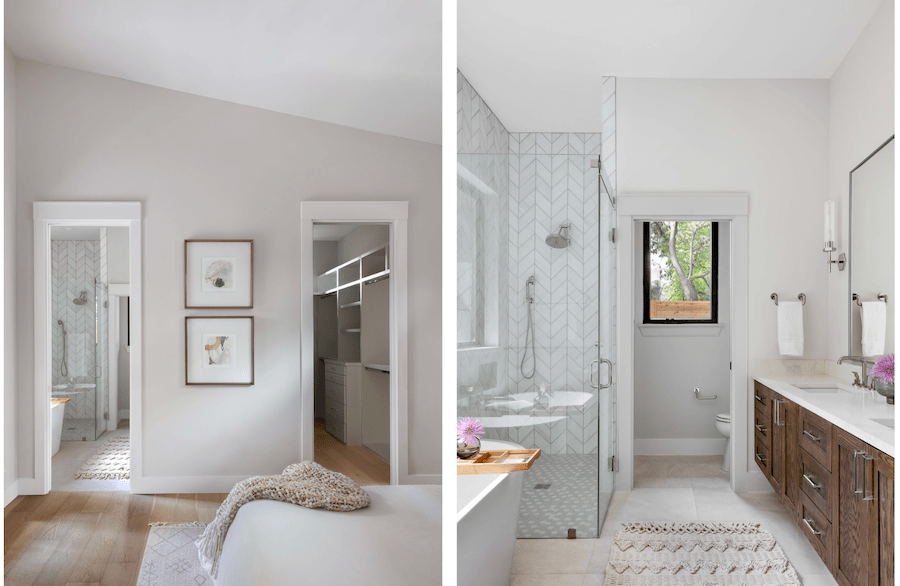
{"type": "Point", "coordinates": [790, 328]}
{"type": "Point", "coordinates": [873, 316]}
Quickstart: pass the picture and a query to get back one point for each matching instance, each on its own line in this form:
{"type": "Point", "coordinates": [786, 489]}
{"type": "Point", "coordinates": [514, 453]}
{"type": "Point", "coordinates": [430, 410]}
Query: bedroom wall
{"type": "Point", "coordinates": [10, 445]}
{"type": "Point", "coordinates": [204, 168]}
{"type": "Point", "coordinates": [861, 118]}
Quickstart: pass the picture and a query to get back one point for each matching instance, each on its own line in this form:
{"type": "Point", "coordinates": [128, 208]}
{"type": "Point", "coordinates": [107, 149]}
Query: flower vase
{"type": "Point", "coordinates": [885, 389]}
{"type": "Point", "coordinates": [466, 451]}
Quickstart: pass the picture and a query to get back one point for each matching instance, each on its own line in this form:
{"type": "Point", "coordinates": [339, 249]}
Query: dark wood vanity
{"type": "Point", "coordinates": [838, 488]}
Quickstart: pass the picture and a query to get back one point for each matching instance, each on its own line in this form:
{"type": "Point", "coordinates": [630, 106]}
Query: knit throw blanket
{"type": "Point", "coordinates": [306, 484]}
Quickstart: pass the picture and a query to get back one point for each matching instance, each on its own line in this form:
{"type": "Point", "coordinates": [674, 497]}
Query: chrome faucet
{"type": "Point", "coordinates": [865, 383]}
{"type": "Point", "coordinates": [543, 392]}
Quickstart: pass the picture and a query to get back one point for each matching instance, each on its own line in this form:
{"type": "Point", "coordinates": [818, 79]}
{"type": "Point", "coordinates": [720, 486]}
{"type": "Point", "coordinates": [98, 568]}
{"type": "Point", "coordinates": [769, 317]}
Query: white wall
{"type": "Point", "coordinates": [10, 341]}
{"type": "Point", "coordinates": [668, 419]}
{"type": "Point", "coordinates": [118, 254]}
{"type": "Point", "coordinates": [210, 169]}
{"type": "Point", "coordinates": [361, 240]}
{"type": "Point", "coordinates": [325, 256]}
{"type": "Point", "coordinates": [861, 118]}
{"type": "Point", "coordinates": [767, 138]}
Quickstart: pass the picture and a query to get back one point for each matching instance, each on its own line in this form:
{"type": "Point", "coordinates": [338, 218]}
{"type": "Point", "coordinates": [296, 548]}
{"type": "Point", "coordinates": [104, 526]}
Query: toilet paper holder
{"type": "Point", "coordinates": [699, 398]}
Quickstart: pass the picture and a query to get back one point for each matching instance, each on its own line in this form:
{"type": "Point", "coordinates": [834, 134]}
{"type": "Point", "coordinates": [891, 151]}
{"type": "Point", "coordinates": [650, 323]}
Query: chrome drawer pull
{"type": "Point", "coordinates": [814, 532]}
{"type": "Point", "coordinates": [811, 436]}
{"type": "Point", "coordinates": [811, 483]}
{"type": "Point", "coordinates": [760, 458]}
{"type": "Point", "coordinates": [761, 429]}
{"type": "Point", "coordinates": [867, 496]}
{"type": "Point", "coordinates": [856, 488]}
{"type": "Point", "coordinates": [760, 399]}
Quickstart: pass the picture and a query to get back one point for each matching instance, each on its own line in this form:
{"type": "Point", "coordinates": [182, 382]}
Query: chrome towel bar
{"type": "Point", "coordinates": [801, 297]}
{"type": "Point", "coordinates": [881, 297]}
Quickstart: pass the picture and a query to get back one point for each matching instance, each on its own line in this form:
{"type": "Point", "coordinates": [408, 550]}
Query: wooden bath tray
{"type": "Point", "coordinates": [59, 401]}
{"type": "Point", "coordinates": [491, 462]}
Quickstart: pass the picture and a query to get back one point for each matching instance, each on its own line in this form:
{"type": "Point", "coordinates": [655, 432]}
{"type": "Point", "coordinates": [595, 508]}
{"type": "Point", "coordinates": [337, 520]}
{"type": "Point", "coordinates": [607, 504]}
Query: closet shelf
{"type": "Point", "coordinates": [354, 304]}
{"type": "Point", "coordinates": [379, 367]}
{"type": "Point", "coordinates": [352, 331]}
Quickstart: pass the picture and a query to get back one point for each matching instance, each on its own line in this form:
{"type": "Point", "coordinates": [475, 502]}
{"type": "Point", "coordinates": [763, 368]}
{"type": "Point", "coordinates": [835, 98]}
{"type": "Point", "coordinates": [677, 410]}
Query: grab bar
{"type": "Point", "coordinates": [699, 398]}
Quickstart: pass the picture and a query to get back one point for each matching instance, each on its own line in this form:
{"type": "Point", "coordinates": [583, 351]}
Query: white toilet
{"type": "Point", "coordinates": [723, 424]}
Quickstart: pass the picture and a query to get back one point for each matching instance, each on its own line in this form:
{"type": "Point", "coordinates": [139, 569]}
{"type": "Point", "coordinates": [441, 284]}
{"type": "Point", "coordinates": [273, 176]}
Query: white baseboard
{"type": "Point", "coordinates": [10, 492]}
{"type": "Point", "coordinates": [679, 447]}
{"type": "Point", "coordinates": [422, 479]}
{"type": "Point", "coordinates": [124, 414]}
{"type": "Point", "coordinates": [29, 486]}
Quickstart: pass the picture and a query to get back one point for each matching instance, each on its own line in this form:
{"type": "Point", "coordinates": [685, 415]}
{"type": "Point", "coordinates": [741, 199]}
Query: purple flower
{"type": "Point", "coordinates": [884, 368]}
{"type": "Point", "coordinates": [468, 430]}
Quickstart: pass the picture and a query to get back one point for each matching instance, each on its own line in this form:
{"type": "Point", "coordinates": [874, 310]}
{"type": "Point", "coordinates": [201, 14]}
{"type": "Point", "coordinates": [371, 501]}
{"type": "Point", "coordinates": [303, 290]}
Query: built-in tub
{"type": "Point", "coordinates": [486, 518]}
{"type": "Point", "coordinates": [56, 418]}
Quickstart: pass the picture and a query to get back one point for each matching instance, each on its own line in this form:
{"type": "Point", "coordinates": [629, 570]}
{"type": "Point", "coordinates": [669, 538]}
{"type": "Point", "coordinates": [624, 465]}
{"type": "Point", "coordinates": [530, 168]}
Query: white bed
{"type": "Point", "coordinates": [396, 541]}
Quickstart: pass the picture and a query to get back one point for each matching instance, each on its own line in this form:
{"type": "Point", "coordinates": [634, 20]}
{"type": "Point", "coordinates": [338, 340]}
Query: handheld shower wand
{"type": "Point", "coordinates": [63, 366]}
{"type": "Point", "coordinates": [529, 300]}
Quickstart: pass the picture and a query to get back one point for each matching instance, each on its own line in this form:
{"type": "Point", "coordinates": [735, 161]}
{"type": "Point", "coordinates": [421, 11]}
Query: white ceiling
{"type": "Point", "coordinates": [374, 65]}
{"type": "Point", "coordinates": [333, 232]}
{"type": "Point", "coordinates": [74, 233]}
{"type": "Point", "coordinates": [539, 64]}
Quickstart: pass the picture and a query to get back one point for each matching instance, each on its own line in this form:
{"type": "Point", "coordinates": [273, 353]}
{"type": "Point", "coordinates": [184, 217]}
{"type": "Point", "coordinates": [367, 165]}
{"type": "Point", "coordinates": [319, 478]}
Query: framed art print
{"type": "Point", "coordinates": [218, 350]}
{"type": "Point", "coordinates": [218, 274]}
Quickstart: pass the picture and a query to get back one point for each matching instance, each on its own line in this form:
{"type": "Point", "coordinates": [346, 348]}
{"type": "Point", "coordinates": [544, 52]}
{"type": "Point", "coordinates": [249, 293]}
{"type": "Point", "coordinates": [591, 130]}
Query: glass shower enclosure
{"type": "Point", "coordinates": [80, 338]}
{"type": "Point", "coordinates": [536, 319]}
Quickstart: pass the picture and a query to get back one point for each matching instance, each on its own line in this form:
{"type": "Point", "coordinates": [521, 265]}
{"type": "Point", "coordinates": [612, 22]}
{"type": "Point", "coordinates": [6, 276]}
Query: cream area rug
{"type": "Point", "coordinates": [170, 557]}
{"type": "Point", "coordinates": [705, 554]}
{"type": "Point", "coordinates": [111, 461]}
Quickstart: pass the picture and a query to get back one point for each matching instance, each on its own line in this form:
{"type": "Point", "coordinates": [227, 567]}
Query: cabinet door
{"type": "Point", "coordinates": [789, 415]}
{"type": "Point", "coordinates": [776, 476]}
{"type": "Point", "coordinates": [881, 520]}
{"type": "Point", "coordinates": [851, 556]}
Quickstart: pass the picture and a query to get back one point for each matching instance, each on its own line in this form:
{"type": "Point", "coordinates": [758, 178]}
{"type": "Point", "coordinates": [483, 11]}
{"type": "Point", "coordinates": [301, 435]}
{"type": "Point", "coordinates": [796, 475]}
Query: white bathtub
{"type": "Point", "coordinates": [486, 516]}
{"type": "Point", "coordinates": [56, 417]}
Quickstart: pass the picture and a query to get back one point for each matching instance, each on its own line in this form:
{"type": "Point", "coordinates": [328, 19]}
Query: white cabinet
{"type": "Point", "coordinates": [342, 382]}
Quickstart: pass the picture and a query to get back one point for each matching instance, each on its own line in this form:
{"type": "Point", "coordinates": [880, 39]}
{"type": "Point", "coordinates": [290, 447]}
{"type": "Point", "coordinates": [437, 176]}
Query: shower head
{"type": "Point", "coordinates": [60, 322]}
{"type": "Point", "coordinates": [561, 238]}
{"type": "Point", "coordinates": [81, 299]}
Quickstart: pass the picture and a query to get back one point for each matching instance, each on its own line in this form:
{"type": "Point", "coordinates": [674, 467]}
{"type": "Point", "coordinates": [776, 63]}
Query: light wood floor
{"type": "Point", "coordinates": [89, 538]}
{"type": "Point", "coordinates": [364, 467]}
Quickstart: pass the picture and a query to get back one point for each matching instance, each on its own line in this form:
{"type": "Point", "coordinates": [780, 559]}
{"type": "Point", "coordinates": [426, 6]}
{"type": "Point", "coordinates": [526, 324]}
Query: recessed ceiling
{"type": "Point", "coordinates": [539, 64]}
{"type": "Point", "coordinates": [370, 65]}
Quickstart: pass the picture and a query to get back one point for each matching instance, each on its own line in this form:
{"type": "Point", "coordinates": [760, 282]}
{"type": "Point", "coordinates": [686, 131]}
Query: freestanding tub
{"type": "Point", "coordinates": [486, 518]}
{"type": "Point", "coordinates": [56, 417]}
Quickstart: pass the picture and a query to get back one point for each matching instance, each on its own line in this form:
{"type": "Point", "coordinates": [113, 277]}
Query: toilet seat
{"type": "Point", "coordinates": [724, 417]}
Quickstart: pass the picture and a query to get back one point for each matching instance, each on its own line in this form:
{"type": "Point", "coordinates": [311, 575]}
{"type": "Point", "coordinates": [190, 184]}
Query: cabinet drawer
{"type": "Point", "coordinates": [334, 409]}
{"type": "Point", "coordinates": [815, 437]}
{"type": "Point", "coordinates": [334, 393]}
{"type": "Point", "coordinates": [761, 396]}
{"type": "Point", "coordinates": [336, 428]}
{"type": "Point", "coordinates": [817, 484]}
{"type": "Point", "coordinates": [335, 368]}
{"type": "Point", "coordinates": [761, 456]}
{"type": "Point", "coordinates": [816, 528]}
{"type": "Point", "coordinates": [763, 427]}
{"type": "Point", "coordinates": [335, 378]}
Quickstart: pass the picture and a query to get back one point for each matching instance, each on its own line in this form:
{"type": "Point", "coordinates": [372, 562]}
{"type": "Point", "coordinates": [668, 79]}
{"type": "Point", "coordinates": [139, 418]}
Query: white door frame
{"type": "Point", "coordinates": [47, 214]}
{"type": "Point", "coordinates": [396, 214]}
{"type": "Point", "coordinates": [688, 206]}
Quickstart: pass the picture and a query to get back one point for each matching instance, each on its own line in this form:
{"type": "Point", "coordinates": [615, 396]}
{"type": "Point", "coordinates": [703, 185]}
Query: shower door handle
{"type": "Point", "coordinates": [609, 378]}
{"type": "Point", "coordinates": [593, 362]}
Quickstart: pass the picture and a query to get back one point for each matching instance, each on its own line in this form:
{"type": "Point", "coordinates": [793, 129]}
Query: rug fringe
{"type": "Point", "coordinates": [167, 524]}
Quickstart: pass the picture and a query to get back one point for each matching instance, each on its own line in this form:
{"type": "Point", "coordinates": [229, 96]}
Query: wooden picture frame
{"type": "Point", "coordinates": [218, 274]}
{"type": "Point", "coordinates": [219, 350]}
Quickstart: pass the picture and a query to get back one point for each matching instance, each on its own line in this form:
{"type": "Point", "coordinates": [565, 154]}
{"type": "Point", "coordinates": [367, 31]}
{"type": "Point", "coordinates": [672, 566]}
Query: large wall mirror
{"type": "Point", "coordinates": [871, 262]}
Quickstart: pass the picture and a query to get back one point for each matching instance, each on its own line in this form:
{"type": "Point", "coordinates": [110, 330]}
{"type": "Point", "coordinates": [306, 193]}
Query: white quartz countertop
{"type": "Point", "coordinates": [851, 409]}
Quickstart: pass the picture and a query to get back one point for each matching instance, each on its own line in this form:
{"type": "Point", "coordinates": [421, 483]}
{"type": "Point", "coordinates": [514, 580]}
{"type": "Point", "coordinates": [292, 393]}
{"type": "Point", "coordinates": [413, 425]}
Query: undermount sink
{"type": "Point", "coordinates": [819, 389]}
{"type": "Point", "coordinates": [885, 422]}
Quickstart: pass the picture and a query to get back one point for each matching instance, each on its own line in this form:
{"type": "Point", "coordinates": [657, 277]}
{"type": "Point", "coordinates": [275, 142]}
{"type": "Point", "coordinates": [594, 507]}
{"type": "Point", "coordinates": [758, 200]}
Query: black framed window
{"type": "Point", "coordinates": [681, 272]}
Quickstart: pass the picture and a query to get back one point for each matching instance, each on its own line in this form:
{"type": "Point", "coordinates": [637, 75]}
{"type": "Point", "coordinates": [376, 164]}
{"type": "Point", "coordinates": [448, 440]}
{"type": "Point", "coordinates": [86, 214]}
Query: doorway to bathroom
{"type": "Point", "coordinates": [87, 346]}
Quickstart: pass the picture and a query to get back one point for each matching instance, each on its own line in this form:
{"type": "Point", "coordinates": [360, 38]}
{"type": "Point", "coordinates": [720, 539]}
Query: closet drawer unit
{"type": "Point", "coordinates": [335, 378]}
{"type": "Point", "coordinates": [335, 428]}
{"type": "Point", "coordinates": [761, 396]}
{"type": "Point", "coordinates": [335, 392]}
{"type": "Point", "coordinates": [335, 368]}
{"type": "Point", "coordinates": [816, 528]}
{"type": "Point", "coordinates": [815, 437]}
{"type": "Point", "coordinates": [334, 410]}
{"type": "Point", "coordinates": [817, 484]}
{"type": "Point", "coordinates": [761, 456]}
{"type": "Point", "coordinates": [763, 427]}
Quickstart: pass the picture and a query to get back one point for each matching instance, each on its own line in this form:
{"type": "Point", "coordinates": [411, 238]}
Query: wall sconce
{"type": "Point", "coordinates": [829, 238]}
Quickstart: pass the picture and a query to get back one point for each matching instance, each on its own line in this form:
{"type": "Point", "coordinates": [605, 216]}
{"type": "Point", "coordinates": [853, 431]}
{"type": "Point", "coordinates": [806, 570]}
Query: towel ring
{"type": "Point", "coordinates": [881, 297]}
{"type": "Point", "coordinates": [801, 297]}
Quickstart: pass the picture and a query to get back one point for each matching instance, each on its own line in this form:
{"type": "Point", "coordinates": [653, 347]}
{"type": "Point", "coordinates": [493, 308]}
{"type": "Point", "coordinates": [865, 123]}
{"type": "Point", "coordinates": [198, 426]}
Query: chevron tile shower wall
{"type": "Point", "coordinates": [513, 190]}
{"type": "Point", "coordinates": [76, 266]}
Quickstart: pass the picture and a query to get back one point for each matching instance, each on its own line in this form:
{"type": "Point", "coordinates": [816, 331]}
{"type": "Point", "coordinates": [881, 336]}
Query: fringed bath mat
{"type": "Point", "coordinates": [704, 554]}
{"type": "Point", "coordinates": [170, 557]}
{"type": "Point", "coordinates": [111, 461]}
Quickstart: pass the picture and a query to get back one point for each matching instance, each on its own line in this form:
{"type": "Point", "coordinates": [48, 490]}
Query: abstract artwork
{"type": "Point", "coordinates": [218, 350]}
{"type": "Point", "coordinates": [218, 274]}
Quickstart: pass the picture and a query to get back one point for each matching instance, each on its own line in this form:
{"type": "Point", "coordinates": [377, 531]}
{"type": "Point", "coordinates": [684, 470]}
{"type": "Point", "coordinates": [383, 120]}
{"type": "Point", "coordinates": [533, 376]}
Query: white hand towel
{"type": "Point", "coordinates": [873, 316]}
{"type": "Point", "coordinates": [790, 328]}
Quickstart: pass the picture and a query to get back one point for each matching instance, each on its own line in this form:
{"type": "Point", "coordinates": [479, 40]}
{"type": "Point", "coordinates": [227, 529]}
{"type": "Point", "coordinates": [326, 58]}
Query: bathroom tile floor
{"type": "Point", "coordinates": [667, 488]}
{"type": "Point", "coordinates": [72, 455]}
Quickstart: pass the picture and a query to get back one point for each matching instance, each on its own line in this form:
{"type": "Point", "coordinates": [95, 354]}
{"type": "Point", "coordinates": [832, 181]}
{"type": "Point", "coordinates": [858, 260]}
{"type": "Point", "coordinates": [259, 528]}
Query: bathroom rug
{"type": "Point", "coordinates": [111, 461]}
{"type": "Point", "coordinates": [704, 554]}
{"type": "Point", "coordinates": [170, 557]}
